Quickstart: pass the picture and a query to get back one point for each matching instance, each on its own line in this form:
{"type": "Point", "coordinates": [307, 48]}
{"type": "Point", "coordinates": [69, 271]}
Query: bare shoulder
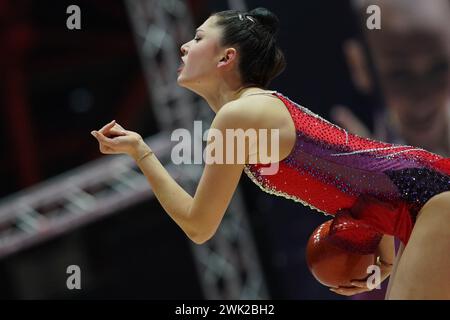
{"type": "Point", "coordinates": [261, 112]}
{"type": "Point", "coordinates": [256, 111]}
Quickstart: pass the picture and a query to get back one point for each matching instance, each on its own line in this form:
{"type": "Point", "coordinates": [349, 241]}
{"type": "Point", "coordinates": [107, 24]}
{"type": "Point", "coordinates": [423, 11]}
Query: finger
{"type": "Point", "coordinates": [348, 291]}
{"type": "Point", "coordinates": [102, 139]}
{"type": "Point", "coordinates": [119, 126]}
{"type": "Point", "coordinates": [106, 150]}
{"type": "Point", "coordinates": [347, 294]}
{"type": "Point", "coordinates": [115, 132]}
{"type": "Point", "coordinates": [359, 284]}
{"type": "Point", "coordinates": [107, 127]}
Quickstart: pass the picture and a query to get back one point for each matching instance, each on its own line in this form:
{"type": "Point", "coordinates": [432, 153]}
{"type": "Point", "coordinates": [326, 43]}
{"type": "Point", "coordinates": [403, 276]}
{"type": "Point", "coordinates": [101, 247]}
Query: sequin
{"type": "Point", "coordinates": [330, 169]}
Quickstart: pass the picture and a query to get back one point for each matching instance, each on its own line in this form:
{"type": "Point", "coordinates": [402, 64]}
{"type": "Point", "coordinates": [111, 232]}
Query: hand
{"type": "Point", "coordinates": [345, 118]}
{"type": "Point", "coordinates": [114, 139]}
{"type": "Point", "coordinates": [360, 286]}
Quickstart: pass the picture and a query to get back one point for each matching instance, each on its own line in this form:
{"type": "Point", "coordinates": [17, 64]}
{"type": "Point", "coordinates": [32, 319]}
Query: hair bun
{"type": "Point", "coordinates": [266, 18]}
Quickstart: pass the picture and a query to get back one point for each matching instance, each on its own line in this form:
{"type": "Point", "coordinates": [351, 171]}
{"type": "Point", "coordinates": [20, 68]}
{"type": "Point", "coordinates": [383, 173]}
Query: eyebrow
{"type": "Point", "coordinates": [199, 30]}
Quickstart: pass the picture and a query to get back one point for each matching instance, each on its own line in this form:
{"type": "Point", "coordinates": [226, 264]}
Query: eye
{"type": "Point", "coordinates": [197, 39]}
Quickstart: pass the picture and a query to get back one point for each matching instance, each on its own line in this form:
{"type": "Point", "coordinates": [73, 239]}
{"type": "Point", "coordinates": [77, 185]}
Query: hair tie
{"type": "Point", "coordinates": [241, 17]}
{"type": "Point", "coordinates": [250, 18]}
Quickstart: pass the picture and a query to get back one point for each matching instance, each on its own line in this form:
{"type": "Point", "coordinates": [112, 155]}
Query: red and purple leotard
{"type": "Point", "coordinates": [370, 187]}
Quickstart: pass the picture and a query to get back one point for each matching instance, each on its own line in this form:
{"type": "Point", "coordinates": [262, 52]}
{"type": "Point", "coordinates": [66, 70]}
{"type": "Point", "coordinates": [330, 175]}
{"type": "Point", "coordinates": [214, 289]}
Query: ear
{"type": "Point", "coordinates": [228, 57]}
{"type": "Point", "coordinates": [358, 65]}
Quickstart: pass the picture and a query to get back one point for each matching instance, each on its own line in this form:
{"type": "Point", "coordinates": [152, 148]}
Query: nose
{"type": "Point", "coordinates": [184, 48]}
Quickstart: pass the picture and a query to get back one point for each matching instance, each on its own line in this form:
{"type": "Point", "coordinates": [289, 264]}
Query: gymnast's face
{"type": "Point", "coordinates": [201, 57]}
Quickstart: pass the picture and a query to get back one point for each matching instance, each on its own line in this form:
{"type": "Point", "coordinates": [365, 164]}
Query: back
{"type": "Point", "coordinates": [331, 170]}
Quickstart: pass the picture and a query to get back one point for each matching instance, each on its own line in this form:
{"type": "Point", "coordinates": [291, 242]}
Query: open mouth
{"type": "Point", "coordinates": [180, 68]}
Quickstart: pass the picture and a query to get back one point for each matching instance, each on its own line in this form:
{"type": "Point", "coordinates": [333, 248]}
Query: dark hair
{"type": "Point", "coordinates": [254, 33]}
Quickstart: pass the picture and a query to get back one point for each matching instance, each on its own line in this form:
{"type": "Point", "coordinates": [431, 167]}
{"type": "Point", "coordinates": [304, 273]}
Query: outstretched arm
{"type": "Point", "coordinates": [198, 216]}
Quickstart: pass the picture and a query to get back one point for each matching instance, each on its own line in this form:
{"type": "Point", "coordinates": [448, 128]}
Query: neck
{"type": "Point", "coordinates": [222, 93]}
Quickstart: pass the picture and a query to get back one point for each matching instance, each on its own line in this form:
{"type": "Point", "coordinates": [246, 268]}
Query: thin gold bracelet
{"type": "Point", "coordinates": [145, 155]}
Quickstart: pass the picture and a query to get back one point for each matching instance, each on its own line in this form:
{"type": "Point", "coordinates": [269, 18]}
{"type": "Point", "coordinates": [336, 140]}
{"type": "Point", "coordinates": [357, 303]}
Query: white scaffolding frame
{"type": "Point", "coordinates": [228, 265]}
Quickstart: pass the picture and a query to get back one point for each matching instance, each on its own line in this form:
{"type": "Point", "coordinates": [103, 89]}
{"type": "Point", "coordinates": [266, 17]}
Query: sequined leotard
{"type": "Point", "coordinates": [370, 187]}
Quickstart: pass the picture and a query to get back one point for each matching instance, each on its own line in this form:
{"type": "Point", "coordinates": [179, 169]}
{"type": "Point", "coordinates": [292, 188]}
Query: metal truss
{"type": "Point", "coordinates": [228, 265]}
{"type": "Point", "coordinates": [77, 197]}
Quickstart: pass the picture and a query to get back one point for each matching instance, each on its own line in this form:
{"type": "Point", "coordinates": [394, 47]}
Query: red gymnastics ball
{"type": "Point", "coordinates": [333, 266]}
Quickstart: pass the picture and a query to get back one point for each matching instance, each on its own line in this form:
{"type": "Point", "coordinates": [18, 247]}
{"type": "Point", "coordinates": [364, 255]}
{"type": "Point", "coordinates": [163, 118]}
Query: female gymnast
{"type": "Point", "coordinates": [374, 190]}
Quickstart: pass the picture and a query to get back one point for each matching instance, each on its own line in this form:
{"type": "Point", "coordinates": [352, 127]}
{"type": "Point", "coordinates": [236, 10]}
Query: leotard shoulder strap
{"type": "Point", "coordinates": [267, 93]}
